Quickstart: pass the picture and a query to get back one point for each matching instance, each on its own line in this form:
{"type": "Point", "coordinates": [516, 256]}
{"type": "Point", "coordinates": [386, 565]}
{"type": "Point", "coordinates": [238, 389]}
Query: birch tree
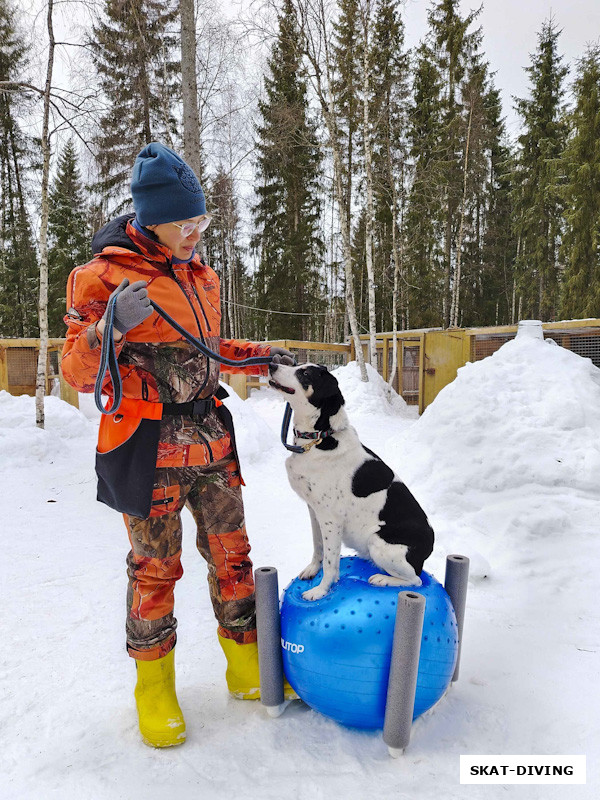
{"type": "Point", "coordinates": [192, 146]}
{"type": "Point", "coordinates": [368, 154]}
{"type": "Point", "coordinates": [40, 385]}
{"type": "Point", "coordinates": [314, 24]}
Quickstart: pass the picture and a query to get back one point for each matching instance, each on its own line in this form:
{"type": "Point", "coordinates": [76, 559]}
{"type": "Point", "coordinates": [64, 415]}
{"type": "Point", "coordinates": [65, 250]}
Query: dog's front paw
{"type": "Point", "coordinates": [316, 593]}
{"type": "Point", "coordinates": [308, 573]}
{"type": "Point", "coordinates": [389, 580]}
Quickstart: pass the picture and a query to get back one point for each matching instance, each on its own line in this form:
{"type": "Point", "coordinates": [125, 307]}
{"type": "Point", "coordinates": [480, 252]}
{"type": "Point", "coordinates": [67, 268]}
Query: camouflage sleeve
{"type": "Point", "coordinates": [87, 296]}
{"type": "Point", "coordinates": [237, 349]}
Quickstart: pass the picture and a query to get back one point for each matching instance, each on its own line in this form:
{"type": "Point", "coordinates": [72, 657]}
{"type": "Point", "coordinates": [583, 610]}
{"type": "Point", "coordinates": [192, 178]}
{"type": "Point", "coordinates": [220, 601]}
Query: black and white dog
{"type": "Point", "coordinates": [353, 497]}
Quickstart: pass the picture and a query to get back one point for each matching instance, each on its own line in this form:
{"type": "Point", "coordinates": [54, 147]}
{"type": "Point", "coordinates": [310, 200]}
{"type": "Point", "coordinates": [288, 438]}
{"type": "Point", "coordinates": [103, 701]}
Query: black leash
{"type": "Point", "coordinates": [285, 425]}
{"type": "Point", "coordinates": [108, 355]}
{"type": "Point", "coordinates": [108, 362]}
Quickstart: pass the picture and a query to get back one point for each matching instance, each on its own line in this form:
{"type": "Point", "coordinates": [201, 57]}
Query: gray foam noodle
{"type": "Point", "coordinates": [404, 667]}
{"type": "Point", "coordinates": [268, 625]}
{"type": "Point", "coordinates": [455, 584]}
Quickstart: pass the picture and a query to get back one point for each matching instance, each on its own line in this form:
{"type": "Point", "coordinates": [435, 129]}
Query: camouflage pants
{"type": "Point", "coordinates": [213, 495]}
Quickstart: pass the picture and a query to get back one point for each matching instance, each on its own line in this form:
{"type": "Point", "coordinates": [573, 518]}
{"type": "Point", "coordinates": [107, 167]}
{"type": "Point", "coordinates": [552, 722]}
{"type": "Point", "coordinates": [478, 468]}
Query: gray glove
{"type": "Point", "coordinates": [282, 356]}
{"type": "Point", "coordinates": [132, 306]}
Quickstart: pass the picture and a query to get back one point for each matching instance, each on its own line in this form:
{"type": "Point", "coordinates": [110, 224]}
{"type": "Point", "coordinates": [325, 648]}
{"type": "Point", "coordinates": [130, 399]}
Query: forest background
{"type": "Point", "coordinates": [357, 184]}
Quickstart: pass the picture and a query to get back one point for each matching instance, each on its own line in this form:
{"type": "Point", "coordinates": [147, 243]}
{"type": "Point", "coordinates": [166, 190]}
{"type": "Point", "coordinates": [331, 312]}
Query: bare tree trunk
{"type": "Point", "coordinates": [230, 274]}
{"type": "Point", "coordinates": [456, 287]}
{"type": "Point", "coordinates": [189, 88]}
{"type": "Point", "coordinates": [312, 23]}
{"type": "Point", "coordinates": [514, 298]}
{"type": "Point", "coordinates": [40, 383]}
{"type": "Point", "coordinates": [165, 100]}
{"type": "Point", "coordinates": [398, 268]}
{"type": "Point", "coordinates": [366, 13]}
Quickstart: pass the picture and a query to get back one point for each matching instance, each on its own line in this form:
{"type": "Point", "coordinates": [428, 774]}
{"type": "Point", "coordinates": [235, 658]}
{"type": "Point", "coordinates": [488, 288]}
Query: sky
{"type": "Point", "coordinates": [510, 29]}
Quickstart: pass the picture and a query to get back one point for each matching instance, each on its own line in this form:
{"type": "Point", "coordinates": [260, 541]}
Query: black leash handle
{"type": "Point", "coordinates": [287, 416]}
{"type": "Point", "coordinates": [108, 362]}
{"type": "Point", "coordinates": [108, 356]}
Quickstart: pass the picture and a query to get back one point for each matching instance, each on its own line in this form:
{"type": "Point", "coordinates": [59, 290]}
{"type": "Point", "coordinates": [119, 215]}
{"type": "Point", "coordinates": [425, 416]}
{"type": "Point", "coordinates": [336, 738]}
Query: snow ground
{"type": "Point", "coordinates": [507, 464]}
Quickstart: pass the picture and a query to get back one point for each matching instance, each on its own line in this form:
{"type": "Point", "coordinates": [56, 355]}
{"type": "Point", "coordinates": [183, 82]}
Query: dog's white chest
{"type": "Point", "coordinates": [324, 481]}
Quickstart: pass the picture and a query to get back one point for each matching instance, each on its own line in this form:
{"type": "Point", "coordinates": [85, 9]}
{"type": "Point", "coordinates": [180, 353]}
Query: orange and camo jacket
{"type": "Point", "coordinates": [156, 364]}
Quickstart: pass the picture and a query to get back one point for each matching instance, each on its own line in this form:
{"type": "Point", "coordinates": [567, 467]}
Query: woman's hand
{"type": "Point", "coordinates": [282, 356]}
{"type": "Point", "coordinates": [132, 307]}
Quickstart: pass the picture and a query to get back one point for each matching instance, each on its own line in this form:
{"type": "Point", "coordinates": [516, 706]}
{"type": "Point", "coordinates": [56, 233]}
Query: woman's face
{"type": "Point", "coordinates": [171, 236]}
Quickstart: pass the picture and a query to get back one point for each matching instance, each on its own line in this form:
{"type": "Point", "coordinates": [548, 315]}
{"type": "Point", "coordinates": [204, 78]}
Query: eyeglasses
{"type": "Point", "coordinates": [189, 227]}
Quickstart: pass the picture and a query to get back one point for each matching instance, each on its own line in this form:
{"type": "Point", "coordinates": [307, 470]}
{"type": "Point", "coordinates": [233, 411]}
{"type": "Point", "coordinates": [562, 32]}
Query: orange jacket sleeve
{"type": "Point", "coordinates": [237, 349]}
{"type": "Point", "coordinates": [87, 296]}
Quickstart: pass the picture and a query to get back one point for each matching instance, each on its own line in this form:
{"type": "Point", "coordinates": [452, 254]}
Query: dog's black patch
{"type": "Point", "coordinates": [327, 444]}
{"type": "Point", "coordinates": [406, 523]}
{"type": "Point", "coordinates": [370, 477]}
{"type": "Point", "coordinates": [326, 396]}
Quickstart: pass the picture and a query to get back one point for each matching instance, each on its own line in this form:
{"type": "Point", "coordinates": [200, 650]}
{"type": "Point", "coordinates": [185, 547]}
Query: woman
{"type": "Point", "coordinates": [170, 444]}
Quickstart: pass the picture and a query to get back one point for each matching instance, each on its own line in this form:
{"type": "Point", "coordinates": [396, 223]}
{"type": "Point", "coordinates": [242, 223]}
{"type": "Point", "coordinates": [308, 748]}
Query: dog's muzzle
{"type": "Point", "coordinates": [281, 388]}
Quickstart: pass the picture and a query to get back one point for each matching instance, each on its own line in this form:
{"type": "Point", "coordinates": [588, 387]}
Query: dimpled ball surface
{"type": "Point", "coordinates": [337, 650]}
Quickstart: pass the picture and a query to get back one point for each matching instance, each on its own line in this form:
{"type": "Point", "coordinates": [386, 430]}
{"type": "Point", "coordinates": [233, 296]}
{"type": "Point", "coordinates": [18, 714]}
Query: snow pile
{"type": "Point", "coordinates": [254, 438]}
{"type": "Point", "coordinates": [369, 398]}
{"type": "Point", "coordinates": [526, 415]}
{"type": "Point", "coordinates": [21, 442]}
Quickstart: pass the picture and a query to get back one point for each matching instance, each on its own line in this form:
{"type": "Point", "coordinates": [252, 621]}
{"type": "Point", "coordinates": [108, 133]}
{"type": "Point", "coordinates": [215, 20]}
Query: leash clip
{"type": "Point", "coordinates": [306, 447]}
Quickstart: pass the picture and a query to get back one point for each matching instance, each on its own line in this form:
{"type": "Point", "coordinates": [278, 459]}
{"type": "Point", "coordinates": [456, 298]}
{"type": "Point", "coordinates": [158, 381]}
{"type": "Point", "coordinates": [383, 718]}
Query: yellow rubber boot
{"type": "Point", "coordinates": [242, 674]}
{"type": "Point", "coordinates": [161, 720]}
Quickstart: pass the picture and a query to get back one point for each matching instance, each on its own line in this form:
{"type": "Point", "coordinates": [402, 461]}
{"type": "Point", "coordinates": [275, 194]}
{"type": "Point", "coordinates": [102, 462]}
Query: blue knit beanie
{"type": "Point", "coordinates": [164, 188]}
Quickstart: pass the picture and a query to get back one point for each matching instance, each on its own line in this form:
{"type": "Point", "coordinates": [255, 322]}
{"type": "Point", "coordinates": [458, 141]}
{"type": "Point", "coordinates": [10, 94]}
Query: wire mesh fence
{"type": "Point", "coordinates": [586, 343]}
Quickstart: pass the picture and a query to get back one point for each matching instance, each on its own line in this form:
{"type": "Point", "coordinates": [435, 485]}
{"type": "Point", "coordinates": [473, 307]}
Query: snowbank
{"type": "Point", "coordinates": [526, 415]}
{"type": "Point", "coordinates": [21, 442]}
{"type": "Point", "coordinates": [254, 438]}
{"type": "Point", "coordinates": [372, 397]}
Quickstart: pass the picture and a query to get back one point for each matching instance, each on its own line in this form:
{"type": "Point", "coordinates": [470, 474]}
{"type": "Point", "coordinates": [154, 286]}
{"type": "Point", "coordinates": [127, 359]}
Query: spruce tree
{"type": "Point", "coordinates": [581, 165]}
{"type": "Point", "coordinates": [496, 282]}
{"type": "Point", "coordinates": [478, 133]}
{"type": "Point", "coordinates": [133, 51]}
{"type": "Point", "coordinates": [225, 254]}
{"type": "Point", "coordinates": [68, 235]}
{"type": "Point", "coordinates": [538, 191]}
{"type": "Point", "coordinates": [346, 83]}
{"type": "Point", "coordinates": [423, 223]}
{"type": "Point", "coordinates": [287, 212]}
{"type": "Point", "coordinates": [453, 46]}
{"type": "Point", "coordinates": [18, 262]}
{"type": "Point", "coordinates": [390, 67]}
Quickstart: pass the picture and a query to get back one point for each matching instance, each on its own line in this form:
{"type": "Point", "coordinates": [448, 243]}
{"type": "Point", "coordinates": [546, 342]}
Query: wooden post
{"type": "Point", "coordinates": [385, 366]}
{"type": "Point", "coordinates": [422, 340]}
{"type": "Point", "coordinates": [3, 370]}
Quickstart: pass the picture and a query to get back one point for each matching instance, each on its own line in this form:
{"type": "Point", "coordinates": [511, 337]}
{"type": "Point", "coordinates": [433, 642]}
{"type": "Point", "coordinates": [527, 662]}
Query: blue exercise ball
{"type": "Point", "coordinates": [337, 650]}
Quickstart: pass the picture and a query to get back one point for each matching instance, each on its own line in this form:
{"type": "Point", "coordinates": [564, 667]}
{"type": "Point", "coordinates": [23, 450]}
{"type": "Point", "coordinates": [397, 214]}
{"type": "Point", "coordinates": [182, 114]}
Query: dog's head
{"type": "Point", "coordinates": [311, 390]}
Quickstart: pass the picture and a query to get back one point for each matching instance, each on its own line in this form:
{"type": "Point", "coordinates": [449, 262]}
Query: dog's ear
{"type": "Point", "coordinates": [324, 385]}
{"type": "Point", "coordinates": [326, 396]}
